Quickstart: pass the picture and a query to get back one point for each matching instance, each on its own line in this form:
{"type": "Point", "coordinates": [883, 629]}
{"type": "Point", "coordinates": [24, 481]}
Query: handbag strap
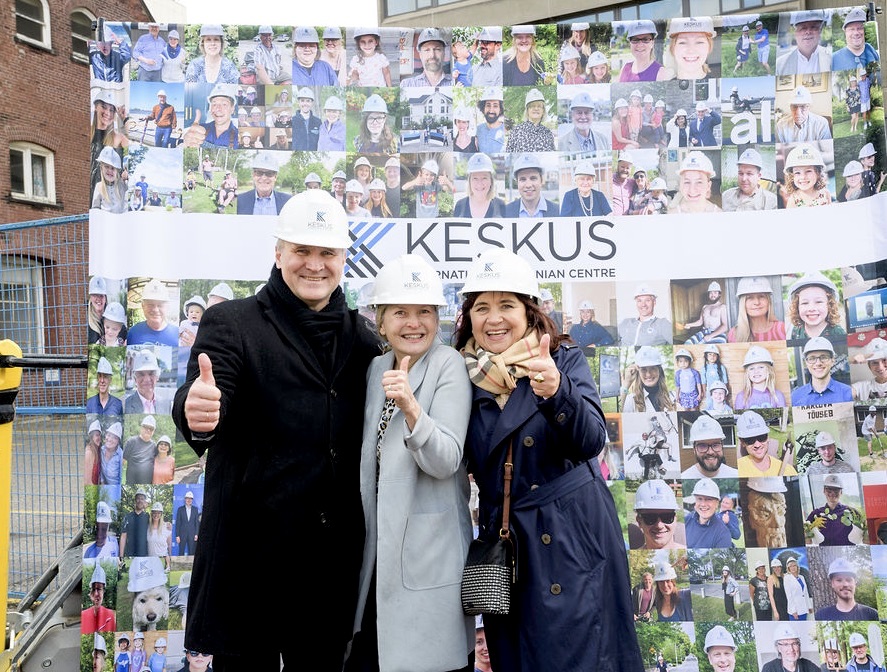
{"type": "Point", "coordinates": [505, 530]}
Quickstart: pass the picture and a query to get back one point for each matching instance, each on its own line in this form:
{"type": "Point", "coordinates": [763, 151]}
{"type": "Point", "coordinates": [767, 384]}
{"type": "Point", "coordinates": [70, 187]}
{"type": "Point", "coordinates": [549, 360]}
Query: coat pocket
{"type": "Point", "coordinates": [433, 554]}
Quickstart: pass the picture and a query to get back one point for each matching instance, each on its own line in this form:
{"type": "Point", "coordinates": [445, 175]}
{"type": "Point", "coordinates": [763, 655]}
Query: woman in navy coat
{"type": "Point", "coordinates": [533, 390]}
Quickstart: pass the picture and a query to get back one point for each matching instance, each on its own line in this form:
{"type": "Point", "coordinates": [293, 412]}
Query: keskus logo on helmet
{"type": "Point", "coordinates": [416, 281]}
{"type": "Point", "coordinates": [489, 272]}
{"type": "Point", "coordinates": [319, 221]}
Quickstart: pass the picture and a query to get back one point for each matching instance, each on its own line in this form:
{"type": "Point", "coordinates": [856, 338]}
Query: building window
{"type": "Point", "coordinates": [32, 172]}
{"type": "Point", "coordinates": [21, 302]}
{"type": "Point", "coordinates": [32, 22]}
{"type": "Point", "coordinates": [81, 34]}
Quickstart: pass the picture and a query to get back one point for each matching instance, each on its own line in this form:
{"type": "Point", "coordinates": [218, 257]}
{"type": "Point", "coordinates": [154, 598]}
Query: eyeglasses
{"type": "Point", "coordinates": [376, 118]}
{"type": "Point", "coordinates": [653, 518]}
{"type": "Point", "coordinates": [640, 40]}
{"type": "Point", "coordinates": [812, 359]}
{"type": "Point", "coordinates": [761, 438]}
{"type": "Point", "coordinates": [794, 644]}
{"type": "Point", "coordinates": [197, 653]}
{"type": "Point", "coordinates": [306, 45]}
{"type": "Point", "coordinates": [714, 447]}
{"type": "Point", "coordinates": [484, 42]}
{"type": "Point", "coordinates": [258, 172]}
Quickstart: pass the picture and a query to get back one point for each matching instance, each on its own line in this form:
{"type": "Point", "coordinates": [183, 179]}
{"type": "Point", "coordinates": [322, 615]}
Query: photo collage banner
{"type": "Point", "coordinates": [741, 358]}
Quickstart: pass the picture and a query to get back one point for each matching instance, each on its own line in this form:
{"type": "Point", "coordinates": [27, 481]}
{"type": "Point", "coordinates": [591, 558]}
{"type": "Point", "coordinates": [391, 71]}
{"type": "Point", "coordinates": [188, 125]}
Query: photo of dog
{"type": "Point", "coordinates": [149, 607]}
{"type": "Point", "coordinates": [147, 587]}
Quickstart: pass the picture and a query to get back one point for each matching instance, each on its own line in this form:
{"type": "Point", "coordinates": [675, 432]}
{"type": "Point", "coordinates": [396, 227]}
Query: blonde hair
{"type": "Point", "coordinates": [711, 46]}
{"type": "Point", "coordinates": [748, 389]}
{"type": "Point", "coordinates": [660, 395]}
{"type": "Point", "coordinates": [743, 332]}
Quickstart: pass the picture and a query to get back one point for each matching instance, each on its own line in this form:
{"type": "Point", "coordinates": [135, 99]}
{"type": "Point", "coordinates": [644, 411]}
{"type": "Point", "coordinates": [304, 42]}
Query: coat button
{"type": "Point", "coordinates": [323, 519]}
{"type": "Point", "coordinates": [546, 539]}
{"type": "Point", "coordinates": [555, 589]}
{"type": "Point", "coordinates": [561, 418]}
{"type": "Point", "coordinates": [529, 441]}
{"type": "Point", "coordinates": [534, 486]}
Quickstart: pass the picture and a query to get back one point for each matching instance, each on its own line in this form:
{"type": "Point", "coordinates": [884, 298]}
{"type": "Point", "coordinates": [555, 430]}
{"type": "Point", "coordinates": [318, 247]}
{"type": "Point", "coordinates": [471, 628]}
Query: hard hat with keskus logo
{"type": "Point", "coordinates": [375, 184]}
{"type": "Point", "coordinates": [490, 34]}
{"type": "Point", "coordinates": [431, 166]}
{"type": "Point", "coordinates": [499, 270]}
{"type": "Point", "coordinates": [819, 344]}
{"type": "Point", "coordinates": [655, 494]}
{"type": "Point", "coordinates": [705, 487]}
{"type": "Point", "coordinates": [648, 98]}
{"type": "Point", "coordinates": [647, 355]}
{"type": "Point", "coordinates": [700, 24]}
{"type": "Point", "coordinates": [195, 300]}
{"type": "Point", "coordinates": [114, 313]}
{"type": "Point", "coordinates": [315, 218]}
{"type": "Point", "coordinates": [804, 155]}
{"type": "Point", "coordinates": [807, 15]}
{"type": "Point", "coordinates": [664, 572]}
{"type": "Point", "coordinates": [801, 96]}
{"type": "Point", "coordinates": [480, 163]}
{"type": "Point", "coordinates": [644, 289]}
{"type": "Point", "coordinates": [596, 58]}
{"type": "Point", "coordinates": [868, 149]}
{"type": "Point", "coordinates": [877, 349]}
{"type": "Point", "coordinates": [767, 484]}
{"type": "Point", "coordinates": [642, 27]}
{"type": "Point", "coordinates": [832, 481]}
{"type": "Point", "coordinates": [751, 424]}
{"type": "Point", "coordinates": [657, 184]}
{"type": "Point", "coordinates": [145, 573]}
{"type": "Point", "coordinates": [224, 91]}
{"type": "Point", "coordinates": [753, 285]}
{"type": "Point", "coordinates": [784, 631]}
{"type": "Point", "coordinates": [102, 510]}
{"type": "Point", "coordinates": [586, 305]}
{"type": "Point", "coordinates": [103, 366]}
{"type": "Point", "coordinates": [374, 103]}
{"type": "Point", "coordinates": [856, 639]}
{"type": "Point", "coordinates": [620, 102]}
{"type": "Point", "coordinates": [305, 35]}
{"type": "Point", "coordinates": [110, 157]}
{"type": "Point", "coordinates": [824, 438]}
{"type": "Point", "coordinates": [757, 354]}
{"type": "Point", "coordinates": [430, 35]}
{"type": "Point", "coordinates": [525, 161]}
{"type": "Point", "coordinates": [145, 360]}
{"type": "Point", "coordinates": [354, 187]}
{"type": "Point", "coordinates": [155, 290]}
{"type": "Point", "coordinates": [523, 30]}
{"type": "Point", "coordinates": [581, 99]}
{"type": "Point", "coordinates": [841, 566]}
{"type": "Point", "coordinates": [751, 157]}
{"type": "Point", "coordinates": [697, 161]}
{"type": "Point", "coordinates": [813, 279]}
{"type": "Point", "coordinates": [719, 636]}
{"type": "Point", "coordinates": [706, 428]}
{"type": "Point", "coordinates": [855, 15]}
{"type": "Point", "coordinates": [660, 103]}
{"type": "Point", "coordinates": [334, 103]}
{"type": "Point", "coordinates": [407, 280]}
{"type": "Point", "coordinates": [312, 177]}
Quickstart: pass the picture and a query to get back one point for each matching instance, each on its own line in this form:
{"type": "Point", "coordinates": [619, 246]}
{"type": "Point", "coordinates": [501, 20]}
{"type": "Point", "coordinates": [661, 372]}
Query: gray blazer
{"type": "Point", "coordinates": [419, 549]}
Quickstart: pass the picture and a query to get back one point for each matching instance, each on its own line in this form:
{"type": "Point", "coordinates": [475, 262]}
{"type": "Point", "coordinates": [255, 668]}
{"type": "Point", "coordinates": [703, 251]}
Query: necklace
{"type": "Point", "coordinates": [586, 209]}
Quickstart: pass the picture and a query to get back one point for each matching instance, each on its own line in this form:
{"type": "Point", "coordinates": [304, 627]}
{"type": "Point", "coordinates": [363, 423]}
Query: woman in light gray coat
{"type": "Point", "coordinates": [413, 485]}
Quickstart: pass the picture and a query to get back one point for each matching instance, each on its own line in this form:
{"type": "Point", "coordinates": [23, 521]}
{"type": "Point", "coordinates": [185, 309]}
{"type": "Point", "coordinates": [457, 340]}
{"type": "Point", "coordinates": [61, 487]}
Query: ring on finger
{"type": "Point", "coordinates": [539, 378]}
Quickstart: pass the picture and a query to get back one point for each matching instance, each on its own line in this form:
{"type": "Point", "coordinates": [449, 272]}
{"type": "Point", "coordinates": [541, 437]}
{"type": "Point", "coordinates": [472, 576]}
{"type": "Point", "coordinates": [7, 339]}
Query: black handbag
{"type": "Point", "coordinates": [490, 569]}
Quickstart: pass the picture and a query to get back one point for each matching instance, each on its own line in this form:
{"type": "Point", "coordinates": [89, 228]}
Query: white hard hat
{"type": "Point", "coordinates": [776, 562]}
{"type": "Point", "coordinates": [480, 163]}
{"type": "Point", "coordinates": [211, 29]}
{"type": "Point", "coordinates": [306, 92]}
{"type": "Point", "coordinates": [873, 409]}
{"type": "Point", "coordinates": [430, 165]}
{"type": "Point", "coordinates": [224, 90]}
{"type": "Point", "coordinates": [718, 636]}
{"type": "Point", "coordinates": [841, 566]}
{"type": "Point", "coordinates": [648, 98]}
{"type": "Point", "coordinates": [711, 347]}
{"type": "Point", "coordinates": [103, 366]}
{"type": "Point", "coordinates": [97, 285]}
{"type": "Point", "coordinates": [801, 96]}
{"type": "Point", "coordinates": [877, 349]}
{"type": "Point", "coordinates": [655, 494]}
{"type": "Point", "coordinates": [161, 641]}
{"type": "Point", "coordinates": [334, 103]}
{"type": "Point", "coordinates": [116, 429]}
{"type": "Point", "coordinates": [807, 15]}
{"type": "Point", "coordinates": [568, 53]}
{"type": "Point", "coordinates": [714, 287]}
{"type": "Point", "coordinates": [579, 25]}
{"type": "Point", "coordinates": [354, 187]}
{"type": "Point", "coordinates": [756, 354]}
{"type": "Point", "coordinates": [148, 421]}
{"type": "Point", "coordinates": [642, 27]}
{"type": "Point", "coordinates": [362, 161]}
{"type": "Point", "coordinates": [157, 506]}
{"type": "Point", "coordinates": [195, 300]}
{"type": "Point", "coordinates": [700, 24]}
{"type": "Point", "coordinates": [681, 112]}
{"type": "Point", "coordinates": [701, 106]}
{"type": "Point", "coordinates": [222, 290]}
{"type": "Point", "coordinates": [490, 34]}
{"type": "Point", "coordinates": [751, 157]}
{"type": "Point", "coordinates": [855, 15]}
{"type": "Point", "coordinates": [376, 184]}
{"type": "Point", "coordinates": [98, 574]}
{"type": "Point", "coordinates": [145, 573]}
{"type": "Point", "coordinates": [697, 161]}
{"type": "Point", "coordinates": [760, 563]}
{"type": "Point", "coordinates": [499, 270]}
{"type": "Point", "coordinates": [657, 184]}
{"type": "Point", "coordinates": [814, 278]}
{"type": "Point", "coordinates": [664, 572]}
{"type": "Point", "coordinates": [819, 343]}
{"type": "Point", "coordinates": [647, 355]}
{"type": "Point", "coordinates": [596, 58]}
{"type": "Point", "coordinates": [265, 161]}
{"type": "Point", "coordinates": [115, 313]}
{"type": "Point", "coordinates": [852, 168]}
{"type": "Point", "coordinates": [124, 636]}
{"type": "Point", "coordinates": [586, 305]}
{"type": "Point", "coordinates": [636, 93]}
{"type": "Point", "coordinates": [784, 631]}
{"type": "Point", "coordinates": [313, 217]}
{"type": "Point", "coordinates": [407, 280]}
{"type": "Point", "coordinates": [643, 289]}
{"type": "Point", "coordinates": [804, 155]}
{"type": "Point", "coordinates": [868, 149]}
{"type": "Point", "coordinates": [523, 30]}
{"type": "Point", "coordinates": [360, 32]}
{"type": "Point", "coordinates": [751, 424]}
{"type": "Point", "coordinates": [717, 385]}
{"type": "Point", "coordinates": [462, 114]}
{"type": "Point", "coordinates": [102, 510]}
{"type": "Point", "coordinates": [824, 438]}
{"type": "Point", "coordinates": [94, 426]}
{"type": "Point", "coordinates": [305, 35]}
{"type": "Point", "coordinates": [145, 360]}
{"type": "Point", "coordinates": [374, 103]}
{"type": "Point", "coordinates": [99, 644]}
{"type": "Point", "coordinates": [312, 177]}
{"type": "Point", "coordinates": [706, 427]}
{"type": "Point", "coordinates": [392, 162]}
{"type": "Point", "coordinates": [683, 352]}
{"type": "Point", "coordinates": [525, 161]}
{"type": "Point", "coordinates": [581, 99]}
{"type": "Point", "coordinates": [753, 285]}
{"type": "Point", "coordinates": [725, 568]}
{"type": "Point", "coordinates": [791, 559]}
{"type": "Point", "coordinates": [705, 487]}
{"type": "Point", "coordinates": [155, 290]}
{"type": "Point", "coordinates": [625, 157]}
{"type": "Point", "coordinates": [189, 494]}
{"type": "Point", "coordinates": [856, 639]}
{"type": "Point", "coordinates": [769, 484]}
{"type": "Point", "coordinates": [832, 481]}
{"type": "Point", "coordinates": [430, 35]}
{"type": "Point", "coordinates": [109, 156]}
{"type": "Point", "coordinates": [621, 102]}
{"type": "Point", "coordinates": [491, 93]}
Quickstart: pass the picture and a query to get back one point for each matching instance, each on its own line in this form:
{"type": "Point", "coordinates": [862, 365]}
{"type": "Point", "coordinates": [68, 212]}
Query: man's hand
{"type": "Point", "coordinates": [203, 404]}
{"type": "Point", "coordinates": [195, 135]}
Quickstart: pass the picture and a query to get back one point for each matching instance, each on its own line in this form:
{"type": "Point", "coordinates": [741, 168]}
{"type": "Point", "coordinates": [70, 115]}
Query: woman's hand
{"type": "Point", "coordinates": [396, 384]}
{"type": "Point", "coordinates": [545, 379]}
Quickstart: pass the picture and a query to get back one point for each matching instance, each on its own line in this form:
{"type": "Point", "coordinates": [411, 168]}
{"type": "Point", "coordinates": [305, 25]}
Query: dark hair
{"type": "Point", "coordinates": [536, 320]}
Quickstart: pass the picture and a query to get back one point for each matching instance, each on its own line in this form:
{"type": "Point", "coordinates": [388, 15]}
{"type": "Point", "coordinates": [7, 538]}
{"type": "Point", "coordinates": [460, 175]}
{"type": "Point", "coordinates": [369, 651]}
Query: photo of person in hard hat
{"type": "Point", "coordinates": [861, 661]}
{"type": "Point", "coordinates": [533, 133]}
{"type": "Point", "coordinates": [657, 518]}
{"type": "Point", "coordinates": [799, 122]}
{"type": "Point", "coordinates": [151, 298]}
{"type": "Point", "coordinates": [429, 185]}
{"type": "Point", "coordinates": [713, 320]}
{"type": "Point", "coordinates": [789, 641]}
{"type": "Point", "coordinates": [694, 187]}
{"type": "Point", "coordinates": [704, 526]}
{"type": "Point", "coordinates": [819, 356]}
{"type": "Point", "coordinates": [871, 432]}
{"type": "Point", "coordinates": [758, 452]}
{"type": "Point", "coordinates": [857, 53]}
{"type": "Point", "coordinates": [645, 385]}
{"type": "Point", "coordinates": [263, 198]}
{"type": "Point", "coordinates": [815, 309]}
{"type": "Point", "coordinates": [720, 648]}
{"type": "Point", "coordinates": [831, 521]}
{"type": "Point", "coordinates": [827, 457]}
{"type": "Point", "coordinates": [640, 61]}
{"type": "Point", "coordinates": [805, 175]}
{"type": "Point", "coordinates": [707, 439]}
{"type": "Point", "coordinates": [96, 617]}
{"type": "Point", "coordinates": [672, 602]}
{"type": "Point", "coordinates": [750, 193]}
{"type": "Point", "coordinates": [691, 41]}
{"type": "Point", "coordinates": [808, 55]}
{"type": "Point", "coordinates": [757, 313]}
{"type": "Point", "coordinates": [840, 603]}
{"type": "Point", "coordinates": [868, 371]}
{"type": "Point", "coordinates": [103, 402]}
{"type": "Point", "coordinates": [218, 129]}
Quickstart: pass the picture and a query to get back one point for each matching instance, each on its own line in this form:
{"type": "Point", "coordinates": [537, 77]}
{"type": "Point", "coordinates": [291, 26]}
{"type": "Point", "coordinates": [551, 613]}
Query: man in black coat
{"type": "Point", "coordinates": [306, 124]}
{"type": "Point", "coordinates": [187, 525]}
{"type": "Point", "coordinates": [263, 198]}
{"type": "Point", "coordinates": [275, 391]}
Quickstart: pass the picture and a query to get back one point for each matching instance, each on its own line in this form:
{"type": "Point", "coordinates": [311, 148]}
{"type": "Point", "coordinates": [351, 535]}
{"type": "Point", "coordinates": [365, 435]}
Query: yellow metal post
{"type": "Point", "coordinates": [10, 380]}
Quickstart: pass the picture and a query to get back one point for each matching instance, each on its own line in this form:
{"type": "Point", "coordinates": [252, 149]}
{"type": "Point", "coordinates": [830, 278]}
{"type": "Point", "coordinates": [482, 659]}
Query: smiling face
{"type": "Point", "coordinates": [529, 184]}
{"type": "Point", "coordinates": [367, 44]}
{"type": "Point", "coordinates": [264, 181]}
{"type": "Point", "coordinates": [757, 373]}
{"type": "Point", "coordinates": [813, 305]}
{"type": "Point", "coordinates": [695, 186]}
{"type": "Point", "coordinates": [843, 586]}
{"type": "Point", "coordinates": [855, 34]}
{"type": "Point", "coordinates": [331, 45]}
{"type": "Point", "coordinates": [819, 364]}
{"type": "Point", "coordinates": [756, 447]}
{"type": "Point", "coordinates": [807, 34]}
{"type": "Point", "coordinates": [650, 375]}
{"type": "Point", "coordinates": [645, 304]}
{"type": "Point", "coordinates": [878, 367]}
{"type": "Point", "coordinates": [212, 45]}
{"type": "Point", "coordinates": [488, 50]}
{"type": "Point", "coordinates": [409, 329]}
{"type": "Point", "coordinates": [641, 47]}
{"type": "Point", "coordinates": [832, 496]}
{"type": "Point", "coordinates": [748, 177]}
{"type": "Point", "coordinates": [705, 507]}
{"type": "Point", "coordinates": [657, 532]}
{"type": "Point", "coordinates": [220, 109]}
{"type": "Point", "coordinates": [109, 173]}
{"type": "Point", "coordinates": [104, 114]}
{"type": "Point", "coordinates": [431, 54]}
{"type": "Point", "coordinates": [305, 105]}
{"type": "Point", "coordinates": [306, 53]}
{"type": "Point", "coordinates": [690, 51]}
{"type": "Point", "coordinates": [103, 382]}
{"type": "Point", "coordinates": [571, 66]}
{"type": "Point", "coordinates": [584, 183]}
{"type": "Point", "coordinates": [312, 273]}
{"type": "Point", "coordinates": [710, 453]}
{"type": "Point", "coordinates": [155, 313]}
{"type": "Point", "coordinates": [757, 304]}
{"type": "Point", "coordinates": [492, 111]}
{"type": "Point", "coordinates": [789, 650]}
{"type": "Point", "coordinates": [722, 658]}
{"type": "Point", "coordinates": [498, 320]}
{"type": "Point", "coordinates": [853, 181]}
{"type": "Point", "coordinates": [828, 453]}
{"type": "Point", "coordinates": [535, 111]}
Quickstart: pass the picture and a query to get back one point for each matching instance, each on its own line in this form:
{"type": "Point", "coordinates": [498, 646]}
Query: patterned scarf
{"type": "Point", "coordinates": [498, 374]}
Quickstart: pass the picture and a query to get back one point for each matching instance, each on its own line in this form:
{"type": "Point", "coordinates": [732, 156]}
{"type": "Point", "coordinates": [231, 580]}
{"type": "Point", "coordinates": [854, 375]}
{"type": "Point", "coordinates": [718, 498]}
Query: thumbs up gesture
{"type": "Point", "coordinates": [203, 402]}
{"type": "Point", "coordinates": [396, 384]}
{"type": "Point", "coordinates": [196, 134]}
{"type": "Point", "coordinates": [545, 379]}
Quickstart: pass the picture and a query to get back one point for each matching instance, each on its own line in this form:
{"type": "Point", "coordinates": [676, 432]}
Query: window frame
{"type": "Point", "coordinates": [28, 150]}
{"type": "Point", "coordinates": [22, 292]}
{"type": "Point", "coordinates": [45, 23]}
{"type": "Point", "coordinates": [87, 38]}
